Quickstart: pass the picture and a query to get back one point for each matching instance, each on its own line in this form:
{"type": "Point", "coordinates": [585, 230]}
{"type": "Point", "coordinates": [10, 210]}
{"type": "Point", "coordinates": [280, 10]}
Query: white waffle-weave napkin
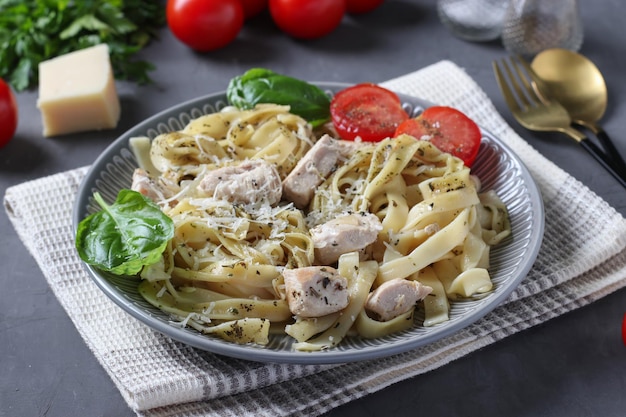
{"type": "Point", "coordinates": [581, 260]}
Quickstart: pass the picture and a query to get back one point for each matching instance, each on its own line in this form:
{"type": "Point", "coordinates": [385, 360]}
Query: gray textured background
{"type": "Point", "coordinates": [571, 366]}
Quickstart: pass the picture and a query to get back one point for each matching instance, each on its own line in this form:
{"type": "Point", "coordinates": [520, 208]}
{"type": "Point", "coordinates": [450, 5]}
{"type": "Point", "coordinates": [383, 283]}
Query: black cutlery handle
{"type": "Point", "coordinates": [612, 151]}
{"type": "Point", "coordinates": [603, 159]}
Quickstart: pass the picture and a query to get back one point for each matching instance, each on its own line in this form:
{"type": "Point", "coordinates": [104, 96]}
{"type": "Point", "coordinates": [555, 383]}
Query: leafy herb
{"type": "Point", "coordinates": [260, 85]}
{"type": "Point", "coordinates": [124, 237]}
{"type": "Point", "coordinates": [32, 31]}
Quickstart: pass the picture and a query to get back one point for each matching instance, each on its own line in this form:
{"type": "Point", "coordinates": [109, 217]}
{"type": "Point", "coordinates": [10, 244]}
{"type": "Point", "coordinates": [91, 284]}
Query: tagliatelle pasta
{"type": "Point", "coordinates": [222, 273]}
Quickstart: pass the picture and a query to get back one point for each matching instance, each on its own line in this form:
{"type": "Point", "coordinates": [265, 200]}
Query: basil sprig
{"type": "Point", "coordinates": [124, 237]}
{"type": "Point", "coordinates": [259, 85]}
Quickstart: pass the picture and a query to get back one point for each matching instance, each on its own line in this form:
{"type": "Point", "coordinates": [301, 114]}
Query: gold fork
{"type": "Point", "coordinates": [535, 111]}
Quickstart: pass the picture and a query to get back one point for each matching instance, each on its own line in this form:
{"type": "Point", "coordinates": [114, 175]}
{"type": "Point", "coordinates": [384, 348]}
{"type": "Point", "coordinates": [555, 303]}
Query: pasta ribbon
{"type": "Point", "coordinates": [305, 328]}
{"type": "Point", "coordinates": [372, 329]}
{"type": "Point", "coordinates": [432, 250]}
{"type": "Point", "coordinates": [212, 304]}
{"type": "Point", "coordinates": [436, 305]}
{"type": "Point", "coordinates": [222, 273]}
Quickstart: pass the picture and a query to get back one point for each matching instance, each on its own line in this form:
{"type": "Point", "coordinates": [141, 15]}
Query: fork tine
{"type": "Point", "coordinates": [509, 95]}
{"type": "Point", "coordinates": [528, 89]}
{"type": "Point", "coordinates": [522, 94]}
{"type": "Point", "coordinates": [537, 84]}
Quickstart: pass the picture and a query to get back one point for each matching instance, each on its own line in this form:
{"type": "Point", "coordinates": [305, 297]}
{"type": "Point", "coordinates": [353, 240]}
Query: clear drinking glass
{"type": "Point", "coordinates": [473, 20]}
{"type": "Point", "coordinates": [530, 26]}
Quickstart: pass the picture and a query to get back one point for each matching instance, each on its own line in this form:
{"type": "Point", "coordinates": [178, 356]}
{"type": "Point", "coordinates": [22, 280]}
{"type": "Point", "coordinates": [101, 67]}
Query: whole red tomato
{"type": "Point", "coordinates": [205, 25]}
{"type": "Point", "coordinates": [362, 6]}
{"type": "Point", "coordinates": [8, 113]}
{"type": "Point", "coordinates": [307, 19]}
{"type": "Point", "coordinates": [253, 7]}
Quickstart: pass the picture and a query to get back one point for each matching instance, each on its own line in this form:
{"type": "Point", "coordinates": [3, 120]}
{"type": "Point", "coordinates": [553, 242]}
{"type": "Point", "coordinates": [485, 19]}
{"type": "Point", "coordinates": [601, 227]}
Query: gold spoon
{"type": "Point", "coordinates": [576, 83]}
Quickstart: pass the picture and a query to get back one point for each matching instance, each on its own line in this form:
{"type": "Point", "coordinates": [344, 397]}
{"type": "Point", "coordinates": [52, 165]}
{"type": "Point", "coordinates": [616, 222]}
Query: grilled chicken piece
{"type": "Point", "coordinates": [314, 167]}
{"type": "Point", "coordinates": [395, 297]}
{"type": "Point", "coordinates": [148, 186]}
{"type": "Point", "coordinates": [315, 291]}
{"type": "Point", "coordinates": [352, 232]}
{"type": "Point", "coordinates": [251, 181]}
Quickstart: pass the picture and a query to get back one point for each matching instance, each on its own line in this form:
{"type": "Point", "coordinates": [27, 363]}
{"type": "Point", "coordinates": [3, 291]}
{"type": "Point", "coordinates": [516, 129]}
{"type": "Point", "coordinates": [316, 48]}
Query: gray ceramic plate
{"type": "Point", "coordinates": [497, 167]}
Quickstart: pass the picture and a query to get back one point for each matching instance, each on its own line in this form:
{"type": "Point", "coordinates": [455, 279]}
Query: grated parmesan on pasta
{"type": "Point", "coordinates": [224, 265]}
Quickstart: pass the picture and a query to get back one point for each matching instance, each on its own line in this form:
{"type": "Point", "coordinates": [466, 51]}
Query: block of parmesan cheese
{"type": "Point", "coordinates": [77, 92]}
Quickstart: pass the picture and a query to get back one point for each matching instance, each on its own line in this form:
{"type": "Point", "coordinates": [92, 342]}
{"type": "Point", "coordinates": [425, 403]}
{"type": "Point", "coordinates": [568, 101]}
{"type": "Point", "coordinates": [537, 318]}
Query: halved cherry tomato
{"type": "Point", "coordinates": [8, 113]}
{"type": "Point", "coordinates": [367, 111]}
{"type": "Point", "coordinates": [448, 129]}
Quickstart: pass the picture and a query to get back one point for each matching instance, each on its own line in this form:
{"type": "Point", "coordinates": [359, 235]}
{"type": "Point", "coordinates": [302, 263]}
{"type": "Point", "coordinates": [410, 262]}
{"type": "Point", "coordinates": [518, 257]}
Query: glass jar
{"type": "Point", "coordinates": [530, 26]}
{"type": "Point", "coordinates": [473, 20]}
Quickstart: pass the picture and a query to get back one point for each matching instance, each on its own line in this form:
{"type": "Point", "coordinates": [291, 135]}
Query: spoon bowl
{"type": "Point", "coordinates": [575, 82]}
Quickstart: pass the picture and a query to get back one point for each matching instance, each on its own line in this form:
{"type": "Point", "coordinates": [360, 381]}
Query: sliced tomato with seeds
{"type": "Point", "coordinates": [449, 129]}
{"type": "Point", "coordinates": [368, 111]}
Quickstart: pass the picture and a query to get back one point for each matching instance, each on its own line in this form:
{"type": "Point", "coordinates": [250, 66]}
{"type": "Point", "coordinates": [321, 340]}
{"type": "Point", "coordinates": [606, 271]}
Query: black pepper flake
{"type": "Point", "coordinates": [325, 282]}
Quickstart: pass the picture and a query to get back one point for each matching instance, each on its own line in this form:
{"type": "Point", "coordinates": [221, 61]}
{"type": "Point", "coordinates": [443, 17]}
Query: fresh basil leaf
{"type": "Point", "coordinates": [259, 85]}
{"type": "Point", "coordinates": [124, 237]}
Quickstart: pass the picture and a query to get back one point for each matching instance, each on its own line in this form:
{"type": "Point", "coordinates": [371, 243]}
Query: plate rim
{"type": "Point", "coordinates": [329, 356]}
